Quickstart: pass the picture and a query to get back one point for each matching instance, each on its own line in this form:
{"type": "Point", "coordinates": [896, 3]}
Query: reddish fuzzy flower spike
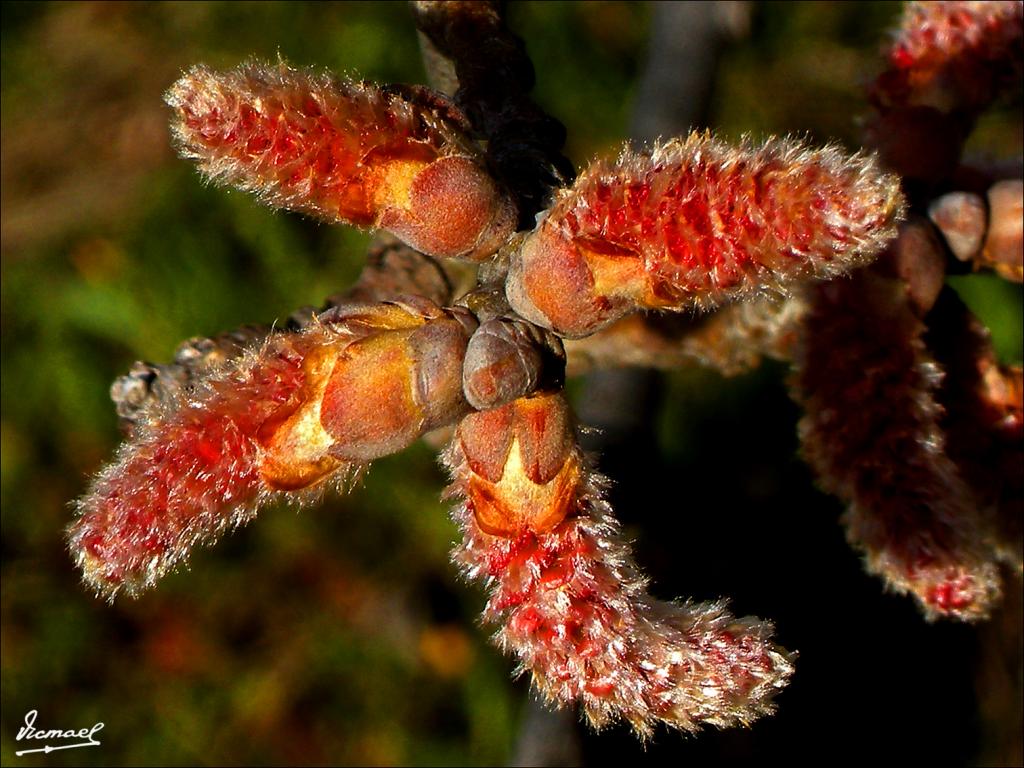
{"type": "Point", "coordinates": [345, 152]}
{"type": "Point", "coordinates": [284, 418]}
{"type": "Point", "coordinates": [871, 432]}
{"type": "Point", "coordinates": [570, 600]}
{"type": "Point", "coordinates": [697, 222]}
{"type": "Point", "coordinates": [186, 477]}
{"type": "Point", "coordinates": [953, 55]}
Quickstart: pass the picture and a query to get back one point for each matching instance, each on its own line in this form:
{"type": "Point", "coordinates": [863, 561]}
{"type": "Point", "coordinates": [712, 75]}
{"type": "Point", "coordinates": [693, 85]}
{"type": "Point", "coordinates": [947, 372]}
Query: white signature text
{"type": "Point", "coordinates": [29, 731]}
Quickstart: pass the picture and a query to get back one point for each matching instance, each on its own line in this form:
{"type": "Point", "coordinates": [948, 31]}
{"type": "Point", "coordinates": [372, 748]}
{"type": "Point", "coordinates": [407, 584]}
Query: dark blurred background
{"type": "Point", "coordinates": [342, 634]}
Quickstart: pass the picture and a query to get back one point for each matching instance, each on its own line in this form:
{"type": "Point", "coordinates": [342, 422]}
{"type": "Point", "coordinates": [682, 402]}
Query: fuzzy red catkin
{"type": "Point", "coordinates": [571, 602]}
{"type": "Point", "coordinates": [280, 421]}
{"type": "Point", "coordinates": [696, 222]}
{"type": "Point", "coordinates": [871, 433]}
{"type": "Point", "coordinates": [343, 151]}
{"type": "Point", "coordinates": [952, 55]}
{"type": "Point", "coordinates": [185, 478]}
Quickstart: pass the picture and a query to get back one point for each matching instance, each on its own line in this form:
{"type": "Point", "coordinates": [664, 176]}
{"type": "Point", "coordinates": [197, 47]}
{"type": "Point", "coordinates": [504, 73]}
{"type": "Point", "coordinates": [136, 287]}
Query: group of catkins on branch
{"type": "Point", "coordinates": [909, 417]}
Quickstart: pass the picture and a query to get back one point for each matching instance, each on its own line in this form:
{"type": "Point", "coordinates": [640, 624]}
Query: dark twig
{"type": "Point", "coordinates": [495, 76]}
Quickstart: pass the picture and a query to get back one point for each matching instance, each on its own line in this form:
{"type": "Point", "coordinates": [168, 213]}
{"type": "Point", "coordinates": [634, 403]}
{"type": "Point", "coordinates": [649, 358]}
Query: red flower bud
{"type": "Point", "coordinates": [188, 476]}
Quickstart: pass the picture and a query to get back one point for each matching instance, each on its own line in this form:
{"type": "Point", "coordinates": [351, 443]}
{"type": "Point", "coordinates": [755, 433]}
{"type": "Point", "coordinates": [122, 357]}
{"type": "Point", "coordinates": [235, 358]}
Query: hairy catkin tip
{"type": "Point", "coordinates": [346, 152]}
{"type": "Point", "coordinates": [696, 222]}
{"type": "Point", "coordinates": [571, 602]}
{"type": "Point", "coordinates": [189, 471]}
{"type": "Point", "coordinates": [966, 592]}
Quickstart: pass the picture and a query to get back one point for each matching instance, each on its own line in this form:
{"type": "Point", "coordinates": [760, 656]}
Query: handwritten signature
{"type": "Point", "coordinates": [29, 731]}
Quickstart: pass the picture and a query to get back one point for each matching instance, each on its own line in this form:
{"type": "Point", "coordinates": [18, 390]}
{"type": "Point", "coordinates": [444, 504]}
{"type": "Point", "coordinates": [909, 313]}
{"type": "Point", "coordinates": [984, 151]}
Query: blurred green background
{"type": "Point", "coordinates": [342, 634]}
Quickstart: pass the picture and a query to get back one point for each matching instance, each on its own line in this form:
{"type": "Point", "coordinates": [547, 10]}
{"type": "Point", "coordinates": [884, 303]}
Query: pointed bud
{"type": "Point", "coordinates": [697, 222]}
{"type": "Point", "coordinates": [394, 269]}
{"type": "Point", "coordinates": [917, 257]}
{"type": "Point", "coordinates": [961, 218]}
{"type": "Point", "coordinates": [507, 359]}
